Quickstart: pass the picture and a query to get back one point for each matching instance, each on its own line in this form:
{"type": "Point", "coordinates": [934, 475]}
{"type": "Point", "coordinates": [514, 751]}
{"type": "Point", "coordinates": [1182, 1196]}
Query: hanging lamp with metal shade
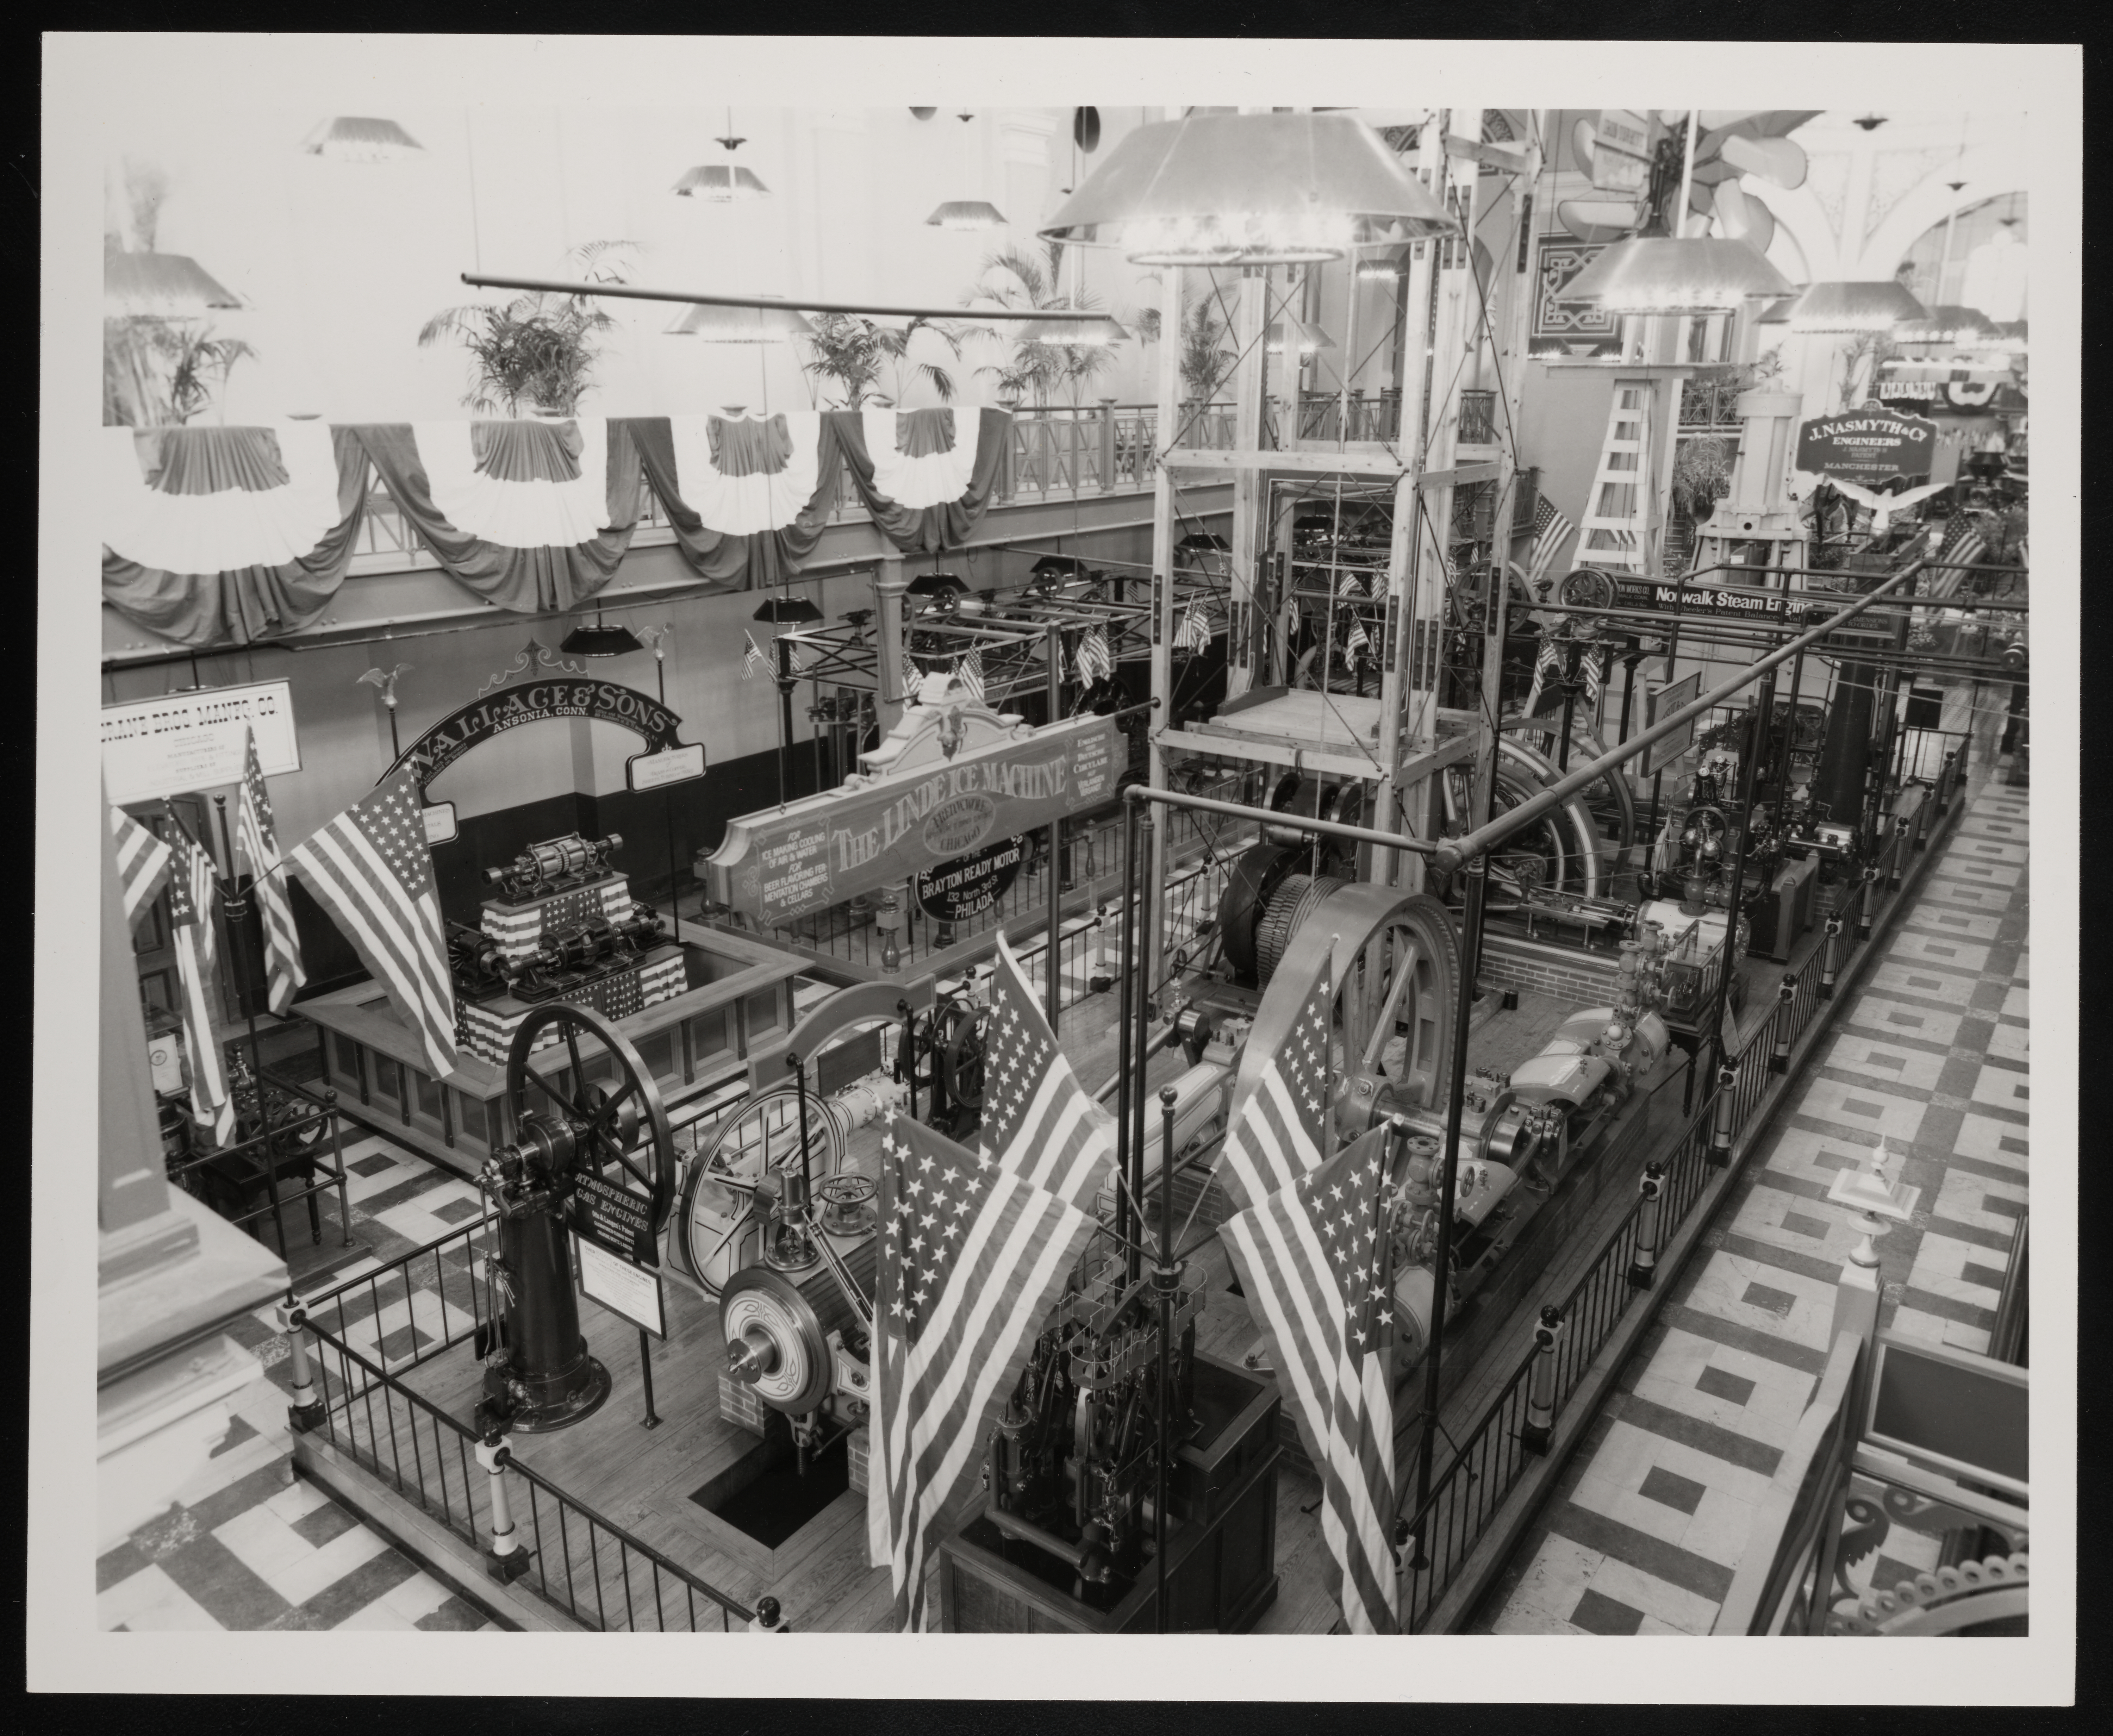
{"type": "Point", "coordinates": [1777, 311]}
{"type": "Point", "coordinates": [161, 286]}
{"type": "Point", "coordinates": [717, 325]}
{"type": "Point", "coordinates": [937, 586]}
{"type": "Point", "coordinates": [1853, 307]}
{"type": "Point", "coordinates": [602, 640]}
{"type": "Point", "coordinates": [1385, 267]}
{"type": "Point", "coordinates": [1233, 190]}
{"type": "Point", "coordinates": [1948, 323]}
{"type": "Point", "coordinates": [722, 182]}
{"type": "Point", "coordinates": [361, 138]}
{"type": "Point", "coordinates": [967, 214]}
{"type": "Point", "coordinates": [1309, 336]}
{"type": "Point", "coordinates": [1671, 275]}
{"type": "Point", "coordinates": [789, 611]}
{"type": "Point", "coordinates": [1080, 334]}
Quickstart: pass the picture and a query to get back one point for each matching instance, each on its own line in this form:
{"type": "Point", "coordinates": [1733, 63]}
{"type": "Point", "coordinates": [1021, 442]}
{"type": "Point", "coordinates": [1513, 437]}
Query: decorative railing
{"type": "Point", "coordinates": [1491, 1458]}
{"type": "Point", "coordinates": [1711, 401]}
{"type": "Point", "coordinates": [288, 1151]}
{"type": "Point", "coordinates": [426, 1302]}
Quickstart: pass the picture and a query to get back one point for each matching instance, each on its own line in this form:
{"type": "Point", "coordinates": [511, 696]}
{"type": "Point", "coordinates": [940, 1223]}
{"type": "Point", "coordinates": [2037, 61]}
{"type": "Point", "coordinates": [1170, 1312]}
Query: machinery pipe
{"type": "Point", "coordinates": [1289, 822]}
{"type": "Point", "coordinates": [1126, 1085]}
{"type": "Point", "coordinates": [640, 293]}
{"type": "Point", "coordinates": [1451, 852]}
{"type": "Point", "coordinates": [1140, 1009]}
{"type": "Point", "coordinates": [1052, 872]}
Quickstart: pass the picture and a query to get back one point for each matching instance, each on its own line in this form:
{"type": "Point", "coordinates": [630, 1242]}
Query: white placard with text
{"type": "Point", "coordinates": [187, 741]}
{"type": "Point", "coordinates": [621, 1287]}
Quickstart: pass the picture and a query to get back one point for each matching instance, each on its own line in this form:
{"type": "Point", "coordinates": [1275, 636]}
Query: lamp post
{"type": "Point", "coordinates": [1865, 1191]}
{"type": "Point", "coordinates": [657, 637]}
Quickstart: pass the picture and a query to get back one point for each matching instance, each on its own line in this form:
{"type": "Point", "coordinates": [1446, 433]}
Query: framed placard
{"type": "Point", "coordinates": [622, 1288]}
{"type": "Point", "coordinates": [1965, 1414]}
{"type": "Point", "coordinates": [439, 818]}
{"type": "Point", "coordinates": [670, 765]}
{"type": "Point", "coordinates": [1667, 700]}
{"type": "Point", "coordinates": [186, 741]}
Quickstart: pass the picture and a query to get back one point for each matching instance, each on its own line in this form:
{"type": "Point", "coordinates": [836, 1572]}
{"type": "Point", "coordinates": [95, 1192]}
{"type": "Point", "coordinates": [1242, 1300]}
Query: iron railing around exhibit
{"type": "Point", "coordinates": [1489, 1460]}
{"type": "Point", "coordinates": [288, 1150]}
{"type": "Point", "coordinates": [371, 1330]}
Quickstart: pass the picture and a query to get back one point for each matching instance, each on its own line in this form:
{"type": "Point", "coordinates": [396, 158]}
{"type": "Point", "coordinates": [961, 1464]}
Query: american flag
{"type": "Point", "coordinates": [1356, 642]}
{"type": "Point", "coordinates": [1094, 663]}
{"type": "Point", "coordinates": [1593, 667]}
{"type": "Point", "coordinates": [972, 1257]}
{"type": "Point", "coordinates": [969, 673]}
{"type": "Point", "coordinates": [1312, 1261]}
{"type": "Point", "coordinates": [1275, 1134]}
{"type": "Point", "coordinates": [1551, 530]}
{"type": "Point", "coordinates": [257, 842]}
{"type": "Point", "coordinates": [370, 869]}
{"type": "Point", "coordinates": [191, 893]}
{"type": "Point", "coordinates": [752, 657]}
{"type": "Point", "coordinates": [1038, 1119]}
{"type": "Point", "coordinates": [1549, 657]}
{"type": "Point", "coordinates": [1194, 632]}
{"type": "Point", "coordinates": [1964, 542]}
{"type": "Point", "coordinates": [143, 862]}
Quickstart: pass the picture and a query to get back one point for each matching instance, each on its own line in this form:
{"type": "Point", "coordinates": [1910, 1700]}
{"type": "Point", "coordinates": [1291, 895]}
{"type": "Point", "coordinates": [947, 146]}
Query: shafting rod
{"type": "Point", "coordinates": [639, 293]}
{"type": "Point", "coordinates": [1451, 852]}
{"type": "Point", "coordinates": [1289, 822]}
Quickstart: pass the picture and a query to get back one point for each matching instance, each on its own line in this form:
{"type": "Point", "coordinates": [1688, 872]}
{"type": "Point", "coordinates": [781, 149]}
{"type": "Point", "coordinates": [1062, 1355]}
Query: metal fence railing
{"type": "Point", "coordinates": [371, 1330]}
{"type": "Point", "coordinates": [285, 1153]}
{"type": "Point", "coordinates": [1490, 1459]}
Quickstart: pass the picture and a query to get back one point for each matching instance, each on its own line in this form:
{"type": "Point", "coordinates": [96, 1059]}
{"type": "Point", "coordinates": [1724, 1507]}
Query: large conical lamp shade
{"type": "Point", "coordinates": [721, 184]}
{"type": "Point", "coordinates": [1233, 190]}
{"type": "Point", "coordinates": [967, 214]}
{"type": "Point", "coordinates": [360, 139]}
{"type": "Point", "coordinates": [1854, 307]}
{"type": "Point", "coordinates": [1948, 323]}
{"type": "Point", "coordinates": [163, 286]}
{"type": "Point", "coordinates": [789, 611]}
{"type": "Point", "coordinates": [717, 325]}
{"type": "Point", "coordinates": [1664, 274]}
{"type": "Point", "coordinates": [1777, 313]}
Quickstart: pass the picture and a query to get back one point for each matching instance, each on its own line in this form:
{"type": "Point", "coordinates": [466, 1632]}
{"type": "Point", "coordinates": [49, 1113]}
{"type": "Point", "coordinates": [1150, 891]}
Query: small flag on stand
{"type": "Point", "coordinates": [1312, 1258]}
{"type": "Point", "coordinates": [257, 842]}
{"type": "Point", "coordinates": [371, 870]}
{"type": "Point", "coordinates": [752, 658]}
{"type": "Point", "coordinates": [968, 672]}
{"type": "Point", "coordinates": [1551, 530]}
{"type": "Point", "coordinates": [973, 1255]}
{"type": "Point", "coordinates": [1038, 1119]}
{"type": "Point", "coordinates": [1094, 663]}
{"type": "Point", "coordinates": [1549, 657]}
{"type": "Point", "coordinates": [1275, 1134]}
{"type": "Point", "coordinates": [143, 862]}
{"type": "Point", "coordinates": [1194, 632]}
{"type": "Point", "coordinates": [191, 892]}
{"type": "Point", "coordinates": [1358, 643]}
{"type": "Point", "coordinates": [1593, 667]}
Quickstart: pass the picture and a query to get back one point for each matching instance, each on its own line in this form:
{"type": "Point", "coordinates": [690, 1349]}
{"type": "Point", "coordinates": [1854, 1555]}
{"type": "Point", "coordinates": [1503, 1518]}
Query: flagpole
{"type": "Point", "coordinates": [1165, 1278]}
{"type": "Point", "coordinates": [1053, 876]}
{"type": "Point", "coordinates": [235, 906]}
{"type": "Point", "coordinates": [1123, 1081]}
{"type": "Point", "coordinates": [1141, 1010]}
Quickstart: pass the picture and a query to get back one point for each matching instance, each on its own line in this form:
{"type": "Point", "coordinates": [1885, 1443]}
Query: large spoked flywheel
{"type": "Point", "coordinates": [1393, 961]}
{"type": "Point", "coordinates": [602, 1104]}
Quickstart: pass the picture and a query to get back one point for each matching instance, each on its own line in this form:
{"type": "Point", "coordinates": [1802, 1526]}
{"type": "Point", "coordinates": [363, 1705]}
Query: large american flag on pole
{"type": "Point", "coordinates": [1038, 1119]}
{"type": "Point", "coordinates": [1312, 1258]}
{"type": "Point", "coordinates": [973, 1256]}
{"type": "Point", "coordinates": [969, 675]}
{"type": "Point", "coordinates": [370, 869]}
{"type": "Point", "coordinates": [257, 842]}
{"type": "Point", "coordinates": [1275, 1134]}
{"type": "Point", "coordinates": [1551, 530]}
{"type": "Point", "coordinates": [191, 892]}
{"type": "Point", "coordinates": [1964, 542]}
{"type": "Point", "coordinates": [143, 862]}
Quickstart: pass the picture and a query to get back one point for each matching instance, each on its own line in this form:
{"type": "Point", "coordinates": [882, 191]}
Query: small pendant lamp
{"type": "Point", "coordinates": [360, 139]}
{"type": "Point", "coordinates": [722, 182]}
{"type": "Point", "coordinates": [1849, 307]}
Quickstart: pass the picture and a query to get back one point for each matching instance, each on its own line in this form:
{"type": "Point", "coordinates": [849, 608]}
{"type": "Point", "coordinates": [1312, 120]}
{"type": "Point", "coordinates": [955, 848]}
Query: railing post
{"type": "Point", "coordinates": [769, 1618]}
{"type": "Point", "coordinates": [1866, 896]}
{"type": "Point", "coordinates": [1107, 445]}
{"type": "Point", "coordinates": [1540, 1384]}
{"type": "Point", "coordinates": [1722, 1127]}
{"type": "Point", "coordinates": [307, 1409]}
{"type": "Point", "coordinates": [506, 1560]}
{"type": "Point", "coordinates": [1830, 950]}
{"type": "Point", "coordinates": [1900, 850]}
{"type": "Point", "coordinates": [1643, 1266]}
{"type": "Point", "coordinates": [1779, 1052]}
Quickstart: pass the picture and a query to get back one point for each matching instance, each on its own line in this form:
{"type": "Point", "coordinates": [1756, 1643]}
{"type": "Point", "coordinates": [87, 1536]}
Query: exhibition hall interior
{"type": "Point", "coordinates": [1064, 870]}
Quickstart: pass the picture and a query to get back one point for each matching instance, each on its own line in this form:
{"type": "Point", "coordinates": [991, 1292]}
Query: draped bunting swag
{"type": "Point", "coordinates": [231, 535]}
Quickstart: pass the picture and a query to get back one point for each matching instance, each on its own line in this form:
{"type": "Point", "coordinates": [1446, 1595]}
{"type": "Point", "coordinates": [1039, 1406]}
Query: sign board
{"type": "Point", "coordinates": [186, 741]}
{"type": "Point", "coordinates": [439, 818]}
{"type": "Point", "coordinates": [1743, 601]}
{"type": "Point", "coordinates": [969, 885]}
{"type": "Point", "coordinates": [616, 1218]}
{"type": "Point", "coordinates": [621, 1287]}
{"type": "Point", "coordinates": [783, 864]}
{"type": "Point", "coordinates": [672, 766]}
{"type": "Point", "coordinates": [1868, 446]}
{"type": "Point", "coordinates": [1621, 151]}
{"type": "Point", "coordinates": [1965, 1414]}
{"type": "Point", "coordinates": [542, 701]}
{"type": "Point", "coordinates": [1663, 703]}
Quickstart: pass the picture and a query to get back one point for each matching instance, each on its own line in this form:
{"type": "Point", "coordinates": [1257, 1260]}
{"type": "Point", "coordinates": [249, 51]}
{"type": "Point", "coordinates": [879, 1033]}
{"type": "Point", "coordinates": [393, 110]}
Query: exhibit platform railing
{"type": "Point", "coordinates": [1469, 1492]}
{"type": "Point", "coordinates": [368, 1333]}
{"type": "Point", "coordinates": [287, 1153]}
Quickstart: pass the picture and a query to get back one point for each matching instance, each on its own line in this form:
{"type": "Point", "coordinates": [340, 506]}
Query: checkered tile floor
{"type": "Point", "coordinates": [247, 1544]}
{"type": "Point", "coordinates": [1651, 1517]}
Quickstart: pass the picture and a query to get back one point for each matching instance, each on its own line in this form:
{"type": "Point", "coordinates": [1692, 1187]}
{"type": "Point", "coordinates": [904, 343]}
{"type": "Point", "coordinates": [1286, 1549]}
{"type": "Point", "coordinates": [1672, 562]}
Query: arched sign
{"type": "Point", "coordinates": [667, 759]}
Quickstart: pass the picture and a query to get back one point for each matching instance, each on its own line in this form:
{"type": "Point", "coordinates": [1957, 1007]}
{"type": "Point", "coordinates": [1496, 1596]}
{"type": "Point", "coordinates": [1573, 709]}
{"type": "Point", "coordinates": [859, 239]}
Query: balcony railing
{"type": "Point", "coordinates": [1712, 401]}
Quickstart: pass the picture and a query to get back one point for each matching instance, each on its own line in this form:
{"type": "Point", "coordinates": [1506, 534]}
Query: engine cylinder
{"type": "Point", "coordinates": [776, 1325]}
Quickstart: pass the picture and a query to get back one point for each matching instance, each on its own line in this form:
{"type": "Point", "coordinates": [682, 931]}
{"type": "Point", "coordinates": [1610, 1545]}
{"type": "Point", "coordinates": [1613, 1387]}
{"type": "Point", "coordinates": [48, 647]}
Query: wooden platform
{"type": "Point", "coordinates": [1330, 722]}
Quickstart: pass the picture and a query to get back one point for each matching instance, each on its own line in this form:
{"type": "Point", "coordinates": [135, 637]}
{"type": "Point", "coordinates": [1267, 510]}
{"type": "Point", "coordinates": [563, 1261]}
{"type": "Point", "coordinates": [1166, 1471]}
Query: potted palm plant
{"type": "Point", "coordinates": [539, 348]}
{"type": "Point", "coordinates": [865, 360]}
{"type": "Point", "coordinates": [1035, 372]}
